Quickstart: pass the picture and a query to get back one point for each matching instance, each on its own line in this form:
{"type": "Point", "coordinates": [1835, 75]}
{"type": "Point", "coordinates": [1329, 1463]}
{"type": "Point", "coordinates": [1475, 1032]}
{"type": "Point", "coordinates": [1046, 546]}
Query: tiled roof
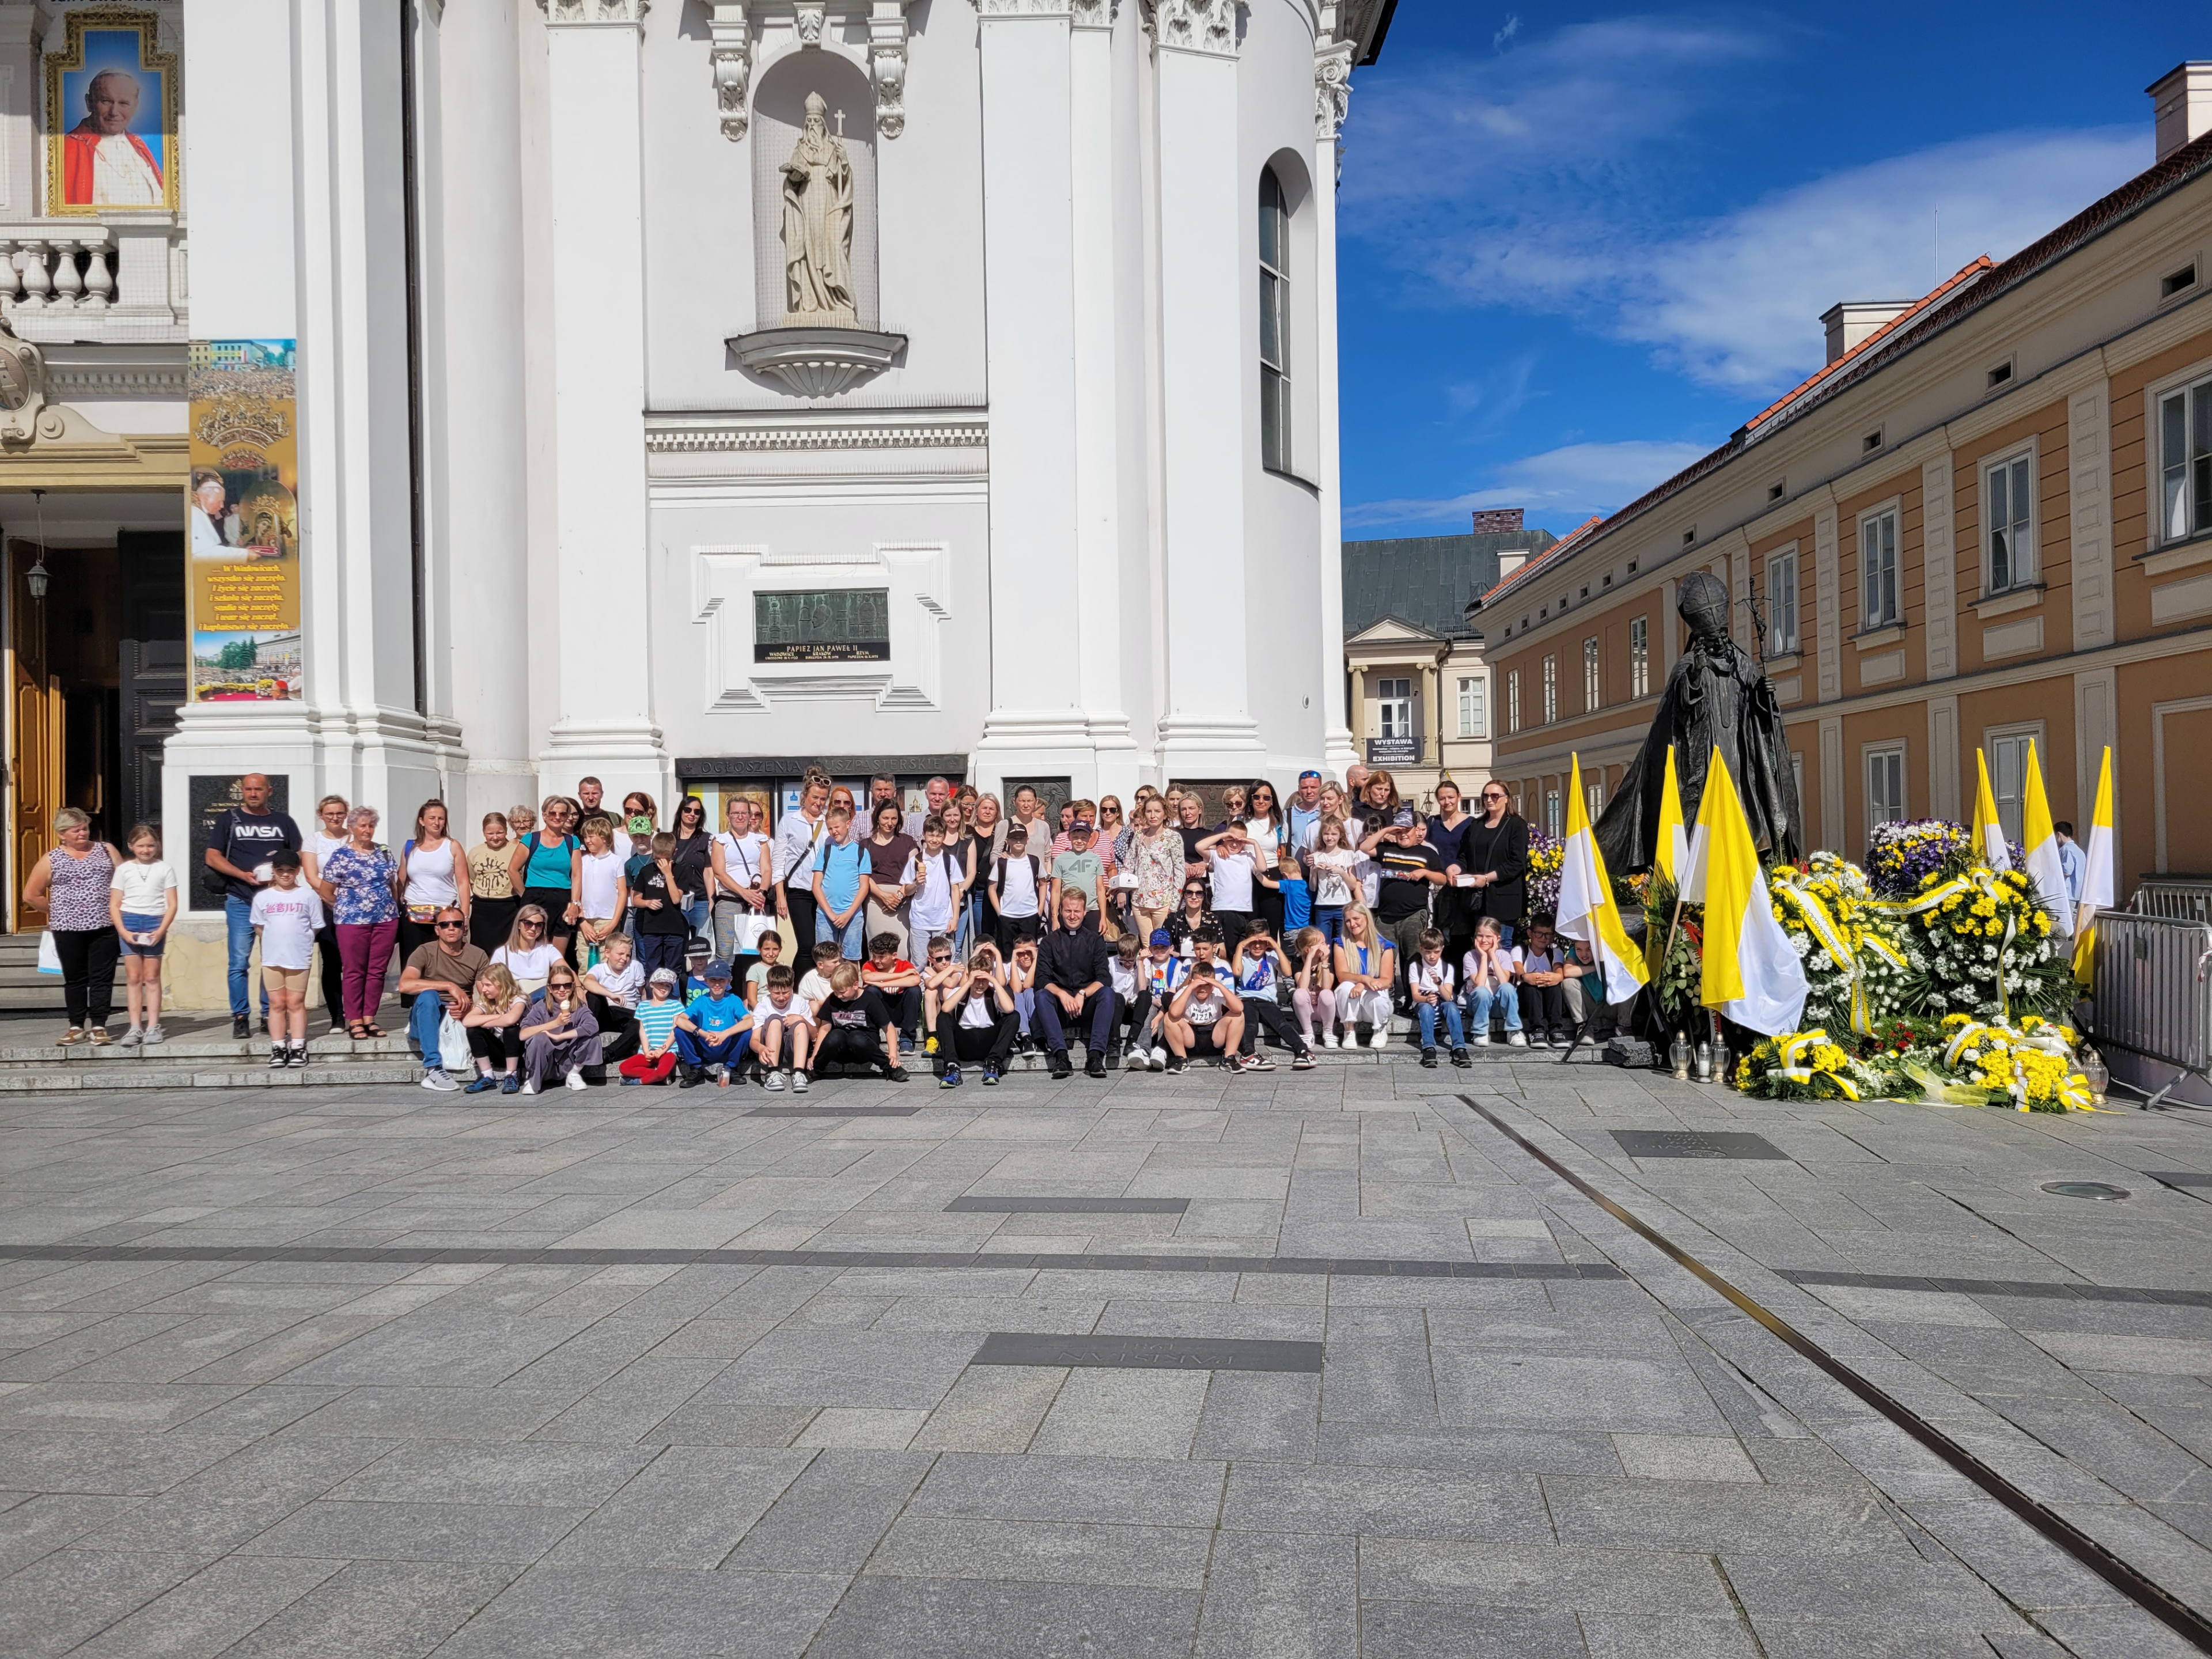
{"type": "Point", "coordinates": [1959, 296]}
{"type": "Point", "coordinates": [1558, 550]}
{"type": "Point", "coordinates": [1426, 580]}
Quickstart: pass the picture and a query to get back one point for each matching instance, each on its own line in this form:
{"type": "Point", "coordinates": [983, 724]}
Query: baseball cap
{"type": "Point", "coordinates": [1080, 826]}
{"type": "Point", "coordinates": [1404, 820]}
{"type": "Point", "coordinates": [283, 859]}
{"type": "Point", "coordinates": [1161, 936]}
{"type": "Point", "coordinates": [716, 969]}
{"type": "Point", "coordinates": [663, 976]}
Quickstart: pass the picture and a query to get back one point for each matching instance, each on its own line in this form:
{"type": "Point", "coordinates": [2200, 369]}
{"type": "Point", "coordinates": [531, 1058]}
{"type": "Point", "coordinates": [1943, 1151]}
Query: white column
{"type": "Point", "coordinates": [1098, 347]}
{"type": "Point", "coordinates": [1037, 722]}
{"type": "Point", "coordinates": [484, 454]}
{"type": "Point", "coordinates": [1331, 94]}
{"type": "Point", "coordinates": [1208, 729]}
{"type": "Point", "coordinates": [595, 165]}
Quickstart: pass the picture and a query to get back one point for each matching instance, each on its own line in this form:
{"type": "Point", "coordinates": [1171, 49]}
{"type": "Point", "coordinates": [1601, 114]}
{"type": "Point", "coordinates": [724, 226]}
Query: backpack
{"type": "Point", "coordinates": [1036, 876]}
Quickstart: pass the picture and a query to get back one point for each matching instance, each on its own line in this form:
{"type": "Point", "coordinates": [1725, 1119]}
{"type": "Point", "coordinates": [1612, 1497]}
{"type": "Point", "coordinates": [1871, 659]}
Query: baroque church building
{"type": "Point", "coordinates": [686, 392]}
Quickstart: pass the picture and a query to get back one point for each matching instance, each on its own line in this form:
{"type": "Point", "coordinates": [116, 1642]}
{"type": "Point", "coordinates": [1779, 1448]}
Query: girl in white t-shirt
{"type": "Point", "coordinates": [1333, 872]}
{"type": "Point", "coordinates": [604, 892]}
{"type": "Point", "coordinates": [142, 901]}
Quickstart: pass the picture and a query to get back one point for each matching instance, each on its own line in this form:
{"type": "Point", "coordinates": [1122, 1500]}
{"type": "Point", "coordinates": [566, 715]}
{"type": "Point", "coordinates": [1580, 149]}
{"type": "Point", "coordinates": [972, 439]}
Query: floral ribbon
{"type": "Point", "coordinates": [2072, 1089]}
{"type": "Point", "coordinates": [1797, 887]}
{"type": "Point", "coordinates": [1980, 880]}
{"type": "Point", "coordinates": [1789, 1051]}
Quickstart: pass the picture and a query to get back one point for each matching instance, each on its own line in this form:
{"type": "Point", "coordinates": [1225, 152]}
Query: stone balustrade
{"type": "Point", "coordinates": [96, 281]}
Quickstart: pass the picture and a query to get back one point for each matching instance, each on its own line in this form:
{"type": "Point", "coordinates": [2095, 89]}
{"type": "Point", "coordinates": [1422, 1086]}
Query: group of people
{"type": "Point", "coordinates": [580, 935]}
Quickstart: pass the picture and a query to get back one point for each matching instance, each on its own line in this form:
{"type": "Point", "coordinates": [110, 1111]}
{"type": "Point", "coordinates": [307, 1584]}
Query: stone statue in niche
{"type": "Point", "coordinates": [817, 227]}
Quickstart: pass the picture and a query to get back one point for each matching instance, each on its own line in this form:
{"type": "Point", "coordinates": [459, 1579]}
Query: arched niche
{"type": "Point", "coordinates": [779, 119]}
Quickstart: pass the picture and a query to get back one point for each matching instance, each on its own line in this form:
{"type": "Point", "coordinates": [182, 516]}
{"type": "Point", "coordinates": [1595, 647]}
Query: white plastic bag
{"type": "Point", "coordinates": [453, 1045]}
{"type": "Point", "coordinates": [50, 955]}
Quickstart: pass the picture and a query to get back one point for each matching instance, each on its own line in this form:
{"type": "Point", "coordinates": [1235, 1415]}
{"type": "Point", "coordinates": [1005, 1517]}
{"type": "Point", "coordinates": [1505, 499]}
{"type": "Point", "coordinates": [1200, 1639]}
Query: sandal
{"type": "Point", "coordinates": [357, 1030]}
{"type": "Point", "coordinates": [373, 1028]}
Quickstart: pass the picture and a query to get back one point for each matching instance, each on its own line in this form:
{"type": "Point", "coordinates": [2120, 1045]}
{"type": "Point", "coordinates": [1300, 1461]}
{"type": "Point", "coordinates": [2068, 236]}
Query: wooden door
{"type": "Point", "coordinates": [35, 709]}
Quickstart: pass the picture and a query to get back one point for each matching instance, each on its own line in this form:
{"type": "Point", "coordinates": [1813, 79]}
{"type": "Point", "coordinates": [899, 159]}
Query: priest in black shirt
{"type": "Point", "coordinates": [1076, 977]}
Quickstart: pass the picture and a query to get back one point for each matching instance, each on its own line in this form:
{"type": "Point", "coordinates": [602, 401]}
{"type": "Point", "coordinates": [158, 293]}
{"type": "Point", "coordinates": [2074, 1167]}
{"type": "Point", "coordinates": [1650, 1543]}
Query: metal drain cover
{"type": "Point", "coordinates": [2101, 1190]}
{"type": "Point", "coordinates": [1695, 1143]}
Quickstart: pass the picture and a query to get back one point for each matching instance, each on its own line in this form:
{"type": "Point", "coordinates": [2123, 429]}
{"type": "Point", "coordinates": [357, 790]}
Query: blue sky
{"type": "Point", "coordinates": [1579, 245]}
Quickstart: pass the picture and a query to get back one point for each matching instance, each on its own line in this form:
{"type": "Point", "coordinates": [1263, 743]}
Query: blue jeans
{"type": "Point", "coordinates": [851, 938]}
{"type": "Point", "coordinates": [1480, 999]}
{"type": "Point", "coordinates": [697, 1048]}
{"type": "Point", "coordinates": [1426, 1013]}
{"type": "Point", "coordinates": [238, 922]}
{"type": "Point", "coordinates": [1329, 918]}
{"type": "Point", "coordinates": [424, 1017]}
{"type": "Point", "coordinates": [696, 913]}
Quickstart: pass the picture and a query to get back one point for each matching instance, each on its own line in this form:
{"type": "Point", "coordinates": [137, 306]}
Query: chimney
{"type": "Point", "coordinates": [1498, 521]}
{"type": "Point", "coordinates": [2181, 101]}
{"type": "Point", "coordinates": [1850, 321]}
{"type": "Point", "coordinates": [1510, 559]}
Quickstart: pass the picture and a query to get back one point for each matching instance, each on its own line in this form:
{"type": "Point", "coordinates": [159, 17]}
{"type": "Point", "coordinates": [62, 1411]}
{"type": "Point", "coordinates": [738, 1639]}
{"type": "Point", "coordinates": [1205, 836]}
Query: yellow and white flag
{"type": "Point", "coordinates": [1752, 974]}
{"type": "Point", "coordinates": [2098, 887]}
{"type": "Point", "coordinates": [1670, 860]}
{"type": "Point", "coordinates": [2044, 867]}
{"type": "Point", "coordinates": [1988, 830]}
{"type": "Point", "coordinates": [1586, 910]}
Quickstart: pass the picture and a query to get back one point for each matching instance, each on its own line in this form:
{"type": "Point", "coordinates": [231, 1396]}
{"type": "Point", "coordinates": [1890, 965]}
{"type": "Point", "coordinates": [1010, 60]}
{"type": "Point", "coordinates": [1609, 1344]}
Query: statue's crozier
{"type": "Point", "coordinates": [1716, 698]}
{"type": "Point", "coordinates": [818, 226]}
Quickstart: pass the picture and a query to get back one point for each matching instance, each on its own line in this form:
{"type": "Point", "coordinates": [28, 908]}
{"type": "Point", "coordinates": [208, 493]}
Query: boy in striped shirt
{"type": "Point", "coordinates": [655, 1059]}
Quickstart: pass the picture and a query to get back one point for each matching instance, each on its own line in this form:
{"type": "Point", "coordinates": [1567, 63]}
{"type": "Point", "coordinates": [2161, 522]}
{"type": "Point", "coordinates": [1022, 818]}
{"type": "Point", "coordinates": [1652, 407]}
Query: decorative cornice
{"type": "Point", "coordinates": [696, 434]}
{"type": "Point", "coordinates": [583, 14]}
{"type": "Point", "coordinates": [1094, 14]}
{"type": "Point", "coordinates": [1199, 26]}
{"type": "Point", "coordinates": [1026, 8]}
{"type": "Point", "coordinates": [887, 33]}
{"type": "Point", "coordinates": [731, 55]}
{"type": "Point", "coordinates": [815, 362]}
{"type": "Point", "coordinates": [1332, 87]}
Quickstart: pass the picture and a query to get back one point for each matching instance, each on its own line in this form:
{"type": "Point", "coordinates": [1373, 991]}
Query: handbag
{"type": "Point", "coordinates": [50, 955]}
{"type": "Point", "coordinates": [746, 928]}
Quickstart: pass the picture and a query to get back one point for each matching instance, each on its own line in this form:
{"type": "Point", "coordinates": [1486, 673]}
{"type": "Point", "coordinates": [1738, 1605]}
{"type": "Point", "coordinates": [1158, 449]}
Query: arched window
{"type": "Point", "coordinates": [1274, 324]}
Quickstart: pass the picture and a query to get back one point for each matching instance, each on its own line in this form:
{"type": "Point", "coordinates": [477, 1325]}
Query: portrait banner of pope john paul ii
{"type": "Point", "coordinates": [111, 116]}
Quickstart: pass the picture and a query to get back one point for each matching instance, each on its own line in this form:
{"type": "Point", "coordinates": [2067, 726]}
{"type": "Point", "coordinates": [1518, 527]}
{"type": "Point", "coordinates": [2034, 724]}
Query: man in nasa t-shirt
{"type": "Point", "coordinates": [239, 846]}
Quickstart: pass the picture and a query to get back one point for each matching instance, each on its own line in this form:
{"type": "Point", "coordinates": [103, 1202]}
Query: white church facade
{"type": "Point", "coordinates": [689, 390]}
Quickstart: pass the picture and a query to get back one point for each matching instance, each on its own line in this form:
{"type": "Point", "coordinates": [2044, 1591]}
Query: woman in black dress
{"type": "Point", "coordinates": [1494, 850]}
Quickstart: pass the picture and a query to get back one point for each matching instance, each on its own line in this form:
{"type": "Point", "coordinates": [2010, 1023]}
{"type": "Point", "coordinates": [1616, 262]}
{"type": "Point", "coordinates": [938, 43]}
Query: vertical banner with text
{"type": "Point", "coordinates": [242, 579]}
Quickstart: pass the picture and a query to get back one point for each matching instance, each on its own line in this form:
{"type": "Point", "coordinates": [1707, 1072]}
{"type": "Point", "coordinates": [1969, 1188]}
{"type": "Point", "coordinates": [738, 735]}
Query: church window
{"type": "Point", "coordinates": [1274, 324]}
{"type": "Point", "coordinates": [1639, 656]}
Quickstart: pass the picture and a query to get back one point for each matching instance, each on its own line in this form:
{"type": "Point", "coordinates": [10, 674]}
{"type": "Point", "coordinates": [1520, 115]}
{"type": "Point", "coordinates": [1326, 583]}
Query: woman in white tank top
{"type": "Point", "coordinates": [433, 876]}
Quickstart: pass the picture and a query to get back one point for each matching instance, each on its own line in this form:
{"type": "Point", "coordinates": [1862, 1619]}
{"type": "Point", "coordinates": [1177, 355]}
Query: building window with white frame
{"type": "Point", "coordinates": [2008, 753]}
{"type": "Point", "coordinates": [1884, 780]}
{"type": "Point", "coordinates": [1877, 569]}
{"type": "Point", "coordinates": [1274, 324]}
{"type": "Point", "coordinates": [1782, 605]}
{"type": "Point", "coordinates": [2184, 462]}
{"type": "Point", "coordinates": [1594, 797]}
{"type": "Point", "coordinates": [1639, 657]}
{"type": "Point", "coordinates": [1512, 700]}
{"type": "Point", "coordinates": [1394, 703]}
{"type": "Point", "coordinates": [1551, 821]}
{"type": "Point", "coordinates": [2009, 503]}
{"type": "Point", "coordinates": [1593, 698]}
{"type": "Point", "coordinates": [1473, 706]}
{"type": "Point", "coordinates": [1551, 689]}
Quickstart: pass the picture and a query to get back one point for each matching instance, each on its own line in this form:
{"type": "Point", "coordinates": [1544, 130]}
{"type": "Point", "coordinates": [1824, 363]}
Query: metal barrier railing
{"type": "Point", "coordinates": [2188, 897]}
{"type": "Point", "coordinates": [2155, 989]}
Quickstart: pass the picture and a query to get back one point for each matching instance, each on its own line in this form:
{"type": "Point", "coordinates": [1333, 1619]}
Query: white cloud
{"type": "Point", "coordinates": [1560, 487]}
{"type": "Point", "coordinates": [1512, 27]}
{"type": "Point", "coordinates": [1573, 177]}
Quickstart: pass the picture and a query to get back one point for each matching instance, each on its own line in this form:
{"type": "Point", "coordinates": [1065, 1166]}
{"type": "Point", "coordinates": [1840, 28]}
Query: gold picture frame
{"type": "Point", "coordinates": [100, 41]}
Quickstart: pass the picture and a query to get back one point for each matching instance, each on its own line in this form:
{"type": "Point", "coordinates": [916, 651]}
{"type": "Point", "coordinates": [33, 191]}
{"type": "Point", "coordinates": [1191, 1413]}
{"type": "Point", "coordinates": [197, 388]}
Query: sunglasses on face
{"type": "Point", "coordinates": [449, 923]}
{"type": "Point", "coordinates": [1188, 891]}
{"type": "Point", "coordinates": [533, 925]}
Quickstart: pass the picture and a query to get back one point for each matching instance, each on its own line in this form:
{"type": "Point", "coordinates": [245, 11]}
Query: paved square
{"type": "Point", "coordinates": [1314, 1364]}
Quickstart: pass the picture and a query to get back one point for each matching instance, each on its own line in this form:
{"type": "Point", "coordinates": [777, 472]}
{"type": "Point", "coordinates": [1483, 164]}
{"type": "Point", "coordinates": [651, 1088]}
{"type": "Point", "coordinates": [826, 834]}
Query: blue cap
{"type": "Point", "coordinates": [1160, 936]}
{"type": "Point", "coordinates": [717, 969]}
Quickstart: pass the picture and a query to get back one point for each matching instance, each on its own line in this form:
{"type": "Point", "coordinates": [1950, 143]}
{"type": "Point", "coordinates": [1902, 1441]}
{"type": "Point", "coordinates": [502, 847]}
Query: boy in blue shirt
{"type": "Point", "coordinates": [1297, 897]}
{"type": "Point", "coordinates": [840, 886]}
{"type": "Point", "coordinates": [710, 1032]}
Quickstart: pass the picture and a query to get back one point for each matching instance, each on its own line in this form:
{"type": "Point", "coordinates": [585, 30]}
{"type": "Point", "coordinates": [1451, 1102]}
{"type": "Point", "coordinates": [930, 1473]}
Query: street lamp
{"type": "Point", "coordinates": [36, 576]}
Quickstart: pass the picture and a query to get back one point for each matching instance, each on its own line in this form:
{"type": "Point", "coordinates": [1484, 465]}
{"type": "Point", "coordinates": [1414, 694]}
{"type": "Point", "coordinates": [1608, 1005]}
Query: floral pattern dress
{"type": "Point", "coordinates": [361, 884]}
{"type": "Point", "coordinates": [1156, 863]}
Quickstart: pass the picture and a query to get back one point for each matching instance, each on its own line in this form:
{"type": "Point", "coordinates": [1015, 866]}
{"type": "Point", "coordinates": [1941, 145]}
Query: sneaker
{"type": "Point", "coordinates": [896, 1074]}
{"type": "Point", "coordinates": [99, 1036]}
{"type": "Point", "coordinates": [482, 1082]}
{"type": "Point", "coordinates": [510, 1084]}
{"type": "Point", "coordinates": [1428, 1060]}
{"type": "Point", "coordinates": [1461, 1057]}
{"type": "Point", "coordinates": [990, 1076]}
{"type": "Point", "coordinates": [773, 1082]}
{"type": "Point", "coordinates": [1481, 1039]}
{"type": "Point", "coordinates": [240, 1029]}
{"type": "Point", "coordinates": [439, 1083]}
{"type": "Point", "coordinates": [1175, 1064]}
{"type": "Point", "coordinates": [576, 1082]}
{"type": "Point", "coordinates": [154, 1034]}
{"type": "Point", "coordinates": [1382, 1037]}
{"type": "Point", "coordinates": [1134, 1059]}
{"type": "Point", "coordinates": [1516, 1039]}
{"type": "Point", "coordinates": [130, 1039]}
{"type": "Point", "coordinates": [299, 1054]}
{"type": "Point", "coordinates": [529, 1087]}
{"type": "Point", "coordinates": [1329, 1038]}
{"type": "Point", "coordinates": [906, 1043]}
{"type": "Point", "coordinates": [1583, 1039]}
{"type": "Point", "coordinates": [689, 1077]}
{"type": "Point", "coordinates": [1095, 1066]}
{"type": "Point", "coordinates": [802, 1081]}
{"type": "Point", "coordinates": [280, 1056]}
{"type": "Point", "coordinates": [950, 1079]}
{"type": "Point", "coordinates": [631, 1082]}
{"type": "Point", "coordinates": [1159, 1058]}
{"type": "Point", "coordinates": [70, 1038]}
{"type": "Point", "coordinates": [1257, 1061]}
{"type": "Point", "coordinates": [1061, 1069]}
{"type": "Point", "coordinates": [1303, 1061]}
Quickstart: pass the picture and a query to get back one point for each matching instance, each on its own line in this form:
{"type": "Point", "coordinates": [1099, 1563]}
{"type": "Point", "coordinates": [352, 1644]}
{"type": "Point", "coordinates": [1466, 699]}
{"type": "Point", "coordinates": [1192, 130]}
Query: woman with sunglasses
{"type": "Point", "coordinates": [1192, 916]}
{"type": "Point", "coordinates": [1449, 908]}
{"type": "Point", "coordinates": [690, 861]}
{"type": "Point", "coordinates": [529, 954]}
{"type": "Point", "coordinates": [1494, 852]}
{"type": "Point", "coordinates": [560, 1038]}
{"type": "Point", "coordinates": [545, 869]}
{"type": "Point", "coordinates": [743, 868]}
{"type": "Point", "coordinates": [1156, 860]}
{"type": "Point", "coordinates": [1268, 831]}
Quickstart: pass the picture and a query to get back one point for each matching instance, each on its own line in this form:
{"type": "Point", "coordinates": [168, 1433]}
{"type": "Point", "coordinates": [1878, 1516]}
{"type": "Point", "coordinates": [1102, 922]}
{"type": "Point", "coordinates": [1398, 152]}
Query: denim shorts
{"type": "Point", "coordinates": [134, 923]}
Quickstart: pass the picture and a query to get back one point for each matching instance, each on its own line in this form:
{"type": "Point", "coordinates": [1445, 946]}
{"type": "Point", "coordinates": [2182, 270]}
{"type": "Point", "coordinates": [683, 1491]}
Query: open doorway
{"type": "Point", "coordinates": [96, 669]}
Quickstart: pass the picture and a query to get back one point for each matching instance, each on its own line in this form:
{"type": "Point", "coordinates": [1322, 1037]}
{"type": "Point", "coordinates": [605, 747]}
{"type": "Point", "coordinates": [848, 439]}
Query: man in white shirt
{"type": "Point", "coordinates": [104, 163]}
